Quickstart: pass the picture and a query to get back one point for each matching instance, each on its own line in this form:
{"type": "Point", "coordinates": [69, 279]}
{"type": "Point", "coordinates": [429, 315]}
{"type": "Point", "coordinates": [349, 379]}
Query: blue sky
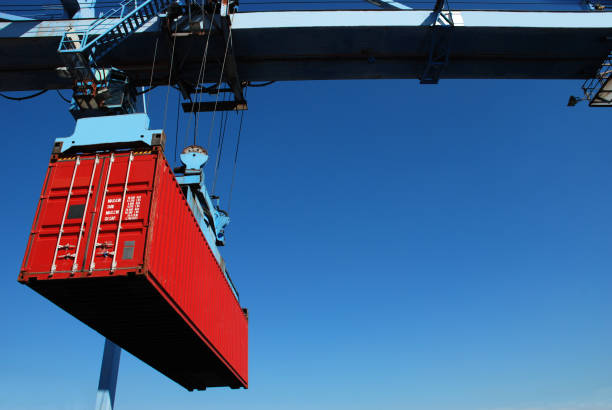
{"type": "Point", "coordinates": [398, 246]}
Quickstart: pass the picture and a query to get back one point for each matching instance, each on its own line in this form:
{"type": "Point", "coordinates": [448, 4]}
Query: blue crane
{"type": "Point", "coordinates": [104, 104]}
{"type": "Point", "coordinates": [429, 45]}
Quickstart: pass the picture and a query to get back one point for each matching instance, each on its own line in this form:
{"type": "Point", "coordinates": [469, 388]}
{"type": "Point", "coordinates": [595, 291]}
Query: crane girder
{"type": "Point", "coordinates": [323, 45]}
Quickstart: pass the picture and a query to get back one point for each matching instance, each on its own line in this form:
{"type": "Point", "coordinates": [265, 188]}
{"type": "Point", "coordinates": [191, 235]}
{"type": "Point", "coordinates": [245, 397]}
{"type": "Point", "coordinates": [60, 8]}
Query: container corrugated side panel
{"type": "Point", "coordinates": [187, 270]}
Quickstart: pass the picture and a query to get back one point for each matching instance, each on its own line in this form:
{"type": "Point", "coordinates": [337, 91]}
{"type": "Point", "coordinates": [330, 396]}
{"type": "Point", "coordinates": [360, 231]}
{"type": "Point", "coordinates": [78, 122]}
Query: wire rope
{"type": "Point", "coordinates": [229, 201]}
{"type": "Point", "coordinates": [169, 78]}
{"type": "Point", "coordinates": [62, 97]}
{"type": "Point", "coordinates": [153, 69]}
{"type": "Point", "coordinates": [267, 83]}
{"type": "Point", "coordinates": [201, 75]}
{"type": "Point", "coordinates": [146, 91]}
{"type": "Point", "coordinates": [27, 97]}
{"type": "Point", "coordinates": [222, 129]}
{"type": "Point", "coordinates": [178, 106]}
{"type": "Point", "coordinates": [212, 123]}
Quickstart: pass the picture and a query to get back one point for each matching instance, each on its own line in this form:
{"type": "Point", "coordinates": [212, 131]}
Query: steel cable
{"type": "Point", "coordinates": [169, 79]}
{"type": "Point", "coordinates": [62, 97]}
{"type": "Point", "coordinates": [178, 106]}
{"type": "Point", "coordinates": [153, 69]}
{"type": "Point", "coordinates": [229, 201]}
{"type": "Point", "coordinates": [222, 129]}
{"type": "Point", "coordinates": [212, 123]}
{"type": "Point", "coordinates": [201, 75]}
{"type": "Point", "coordinates": [27, 97]}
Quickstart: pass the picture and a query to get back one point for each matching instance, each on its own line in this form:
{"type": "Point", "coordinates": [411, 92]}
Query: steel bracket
{"type": "Point", "coordinates": [222, 21]}
{"type": "Point", "coordinates": [116, 131]}
{"type": "Point", "coordinates": [442, 26]}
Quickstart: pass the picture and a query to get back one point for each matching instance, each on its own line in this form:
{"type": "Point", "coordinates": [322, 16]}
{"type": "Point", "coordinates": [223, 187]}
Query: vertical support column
{"type": "Point", "coordinates": [442, 27]}
{"type": "Point", "coordinates": [107, 386]}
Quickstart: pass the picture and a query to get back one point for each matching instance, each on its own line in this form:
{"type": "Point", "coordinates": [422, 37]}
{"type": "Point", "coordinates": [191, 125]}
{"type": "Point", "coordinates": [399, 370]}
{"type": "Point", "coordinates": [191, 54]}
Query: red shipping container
{"type": "Point", "coordinates": [147, 280]}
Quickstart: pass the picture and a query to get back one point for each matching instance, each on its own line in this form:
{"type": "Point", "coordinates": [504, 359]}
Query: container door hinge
{"type": "Point", "coordinates": [66, 246]}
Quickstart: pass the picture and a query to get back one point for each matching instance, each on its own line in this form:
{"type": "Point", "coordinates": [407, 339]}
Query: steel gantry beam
{"type": "Point", "coordinates": [323, 45]}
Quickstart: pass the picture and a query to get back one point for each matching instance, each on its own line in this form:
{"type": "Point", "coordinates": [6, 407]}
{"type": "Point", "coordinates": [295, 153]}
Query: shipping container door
{"type": "Point", "coordinates": [58, 240]}
{"type": "Point", "coordinates": [126, 192]}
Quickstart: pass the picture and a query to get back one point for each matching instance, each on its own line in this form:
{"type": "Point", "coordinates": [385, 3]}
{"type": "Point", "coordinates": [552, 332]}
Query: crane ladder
{"type": "Point", "coordinates": [104, 34]}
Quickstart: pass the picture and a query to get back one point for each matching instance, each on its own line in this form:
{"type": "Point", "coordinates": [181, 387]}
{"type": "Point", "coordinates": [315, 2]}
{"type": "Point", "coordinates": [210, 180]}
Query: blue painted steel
{"type": "Point", "coordinates": [214, 219]}
{"type": "Point", "coordinates": [441, 38]}
{"type": "Point", "coordinates": [104, 91]}
{"type": "Point", "coordinates": [536, 45]}
{"type": "Point", "coordinates": [125, 20]}
{"type": "Point", "coordinates": [116, 129]}
{"type": "Point", "coordinates": [12, 17]}
{"type": "Point", "coordinates": [107, 386]}
{"type": "Point", "coordinates": [194, 160]}
{"type": "Point", "coordinates": [79, 9]}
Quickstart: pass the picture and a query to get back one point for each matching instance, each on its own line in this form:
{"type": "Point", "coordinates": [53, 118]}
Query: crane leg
{"type": "Point", "coordinates": [107, 386]}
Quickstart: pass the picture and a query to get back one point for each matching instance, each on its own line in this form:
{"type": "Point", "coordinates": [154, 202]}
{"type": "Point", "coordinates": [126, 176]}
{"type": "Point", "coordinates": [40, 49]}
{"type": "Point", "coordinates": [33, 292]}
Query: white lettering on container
{"type": "Point", "coordinates": [131, 208]}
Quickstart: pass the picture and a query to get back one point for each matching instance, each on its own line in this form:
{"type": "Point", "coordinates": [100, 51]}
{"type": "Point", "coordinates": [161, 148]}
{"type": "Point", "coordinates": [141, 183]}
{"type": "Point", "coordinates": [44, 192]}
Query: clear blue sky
{"type": "Point", "coordinates": [398, 247]}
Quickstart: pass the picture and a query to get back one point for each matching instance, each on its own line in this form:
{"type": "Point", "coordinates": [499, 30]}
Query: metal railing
{"type": "Point", "coordinates": [115, 25]}
{"type": "Point", "coordinates": [593, 88]}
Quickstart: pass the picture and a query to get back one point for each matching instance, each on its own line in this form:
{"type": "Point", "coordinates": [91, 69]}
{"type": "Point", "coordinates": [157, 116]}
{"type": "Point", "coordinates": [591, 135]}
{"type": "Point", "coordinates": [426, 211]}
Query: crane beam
{"type": "Point", "coordinates": [324, 45]}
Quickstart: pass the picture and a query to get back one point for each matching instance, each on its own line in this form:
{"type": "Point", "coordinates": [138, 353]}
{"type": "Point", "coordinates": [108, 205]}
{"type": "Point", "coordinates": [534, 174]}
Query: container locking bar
{"type": "Point", "coordinates": [61, 230]}
{"type": "Point", "coordinates": [96, 244]}
{"type": "Point", "coordinates": [82, 229]}
{"type": "Point", "coordinates": [120, 217]}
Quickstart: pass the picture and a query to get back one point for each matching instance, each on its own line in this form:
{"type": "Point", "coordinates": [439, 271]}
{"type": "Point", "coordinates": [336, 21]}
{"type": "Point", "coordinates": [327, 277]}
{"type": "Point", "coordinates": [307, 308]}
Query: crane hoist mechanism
{"type": "Point", "coordinates": [99, 89]}
{"type": "Point", "coordinates": [119, 240]}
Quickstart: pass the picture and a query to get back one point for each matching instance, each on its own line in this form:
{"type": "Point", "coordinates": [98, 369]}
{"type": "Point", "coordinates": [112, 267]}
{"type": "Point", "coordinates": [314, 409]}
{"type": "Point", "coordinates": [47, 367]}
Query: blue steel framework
{"type": "Point", "coordinates": [104, 90]}
{"type": "Point", "coordinates": [440, 47]}
{"type": "Point", "coordinates": [279, 46]}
